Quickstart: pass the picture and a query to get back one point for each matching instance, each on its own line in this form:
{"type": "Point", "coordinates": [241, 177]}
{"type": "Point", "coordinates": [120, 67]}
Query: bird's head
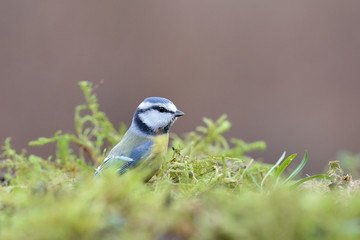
{"type": "Point", "coordinates": [155, 115]}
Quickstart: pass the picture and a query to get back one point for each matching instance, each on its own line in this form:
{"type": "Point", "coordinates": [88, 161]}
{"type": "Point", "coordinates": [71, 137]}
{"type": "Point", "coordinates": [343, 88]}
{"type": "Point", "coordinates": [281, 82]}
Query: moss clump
{"type": "Point", "coordinates": [207, 189]}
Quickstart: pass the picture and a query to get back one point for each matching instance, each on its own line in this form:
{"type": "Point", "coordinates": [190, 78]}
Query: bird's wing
{"type": "Point", "coordinates": [137, 155]}
{"type": "Point", "coordinates": [126, 154]}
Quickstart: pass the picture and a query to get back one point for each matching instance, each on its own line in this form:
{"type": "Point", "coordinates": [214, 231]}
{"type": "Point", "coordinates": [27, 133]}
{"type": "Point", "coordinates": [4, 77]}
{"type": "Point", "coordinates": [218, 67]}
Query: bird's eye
{"type": "Point", "coordinates": [161, 109]}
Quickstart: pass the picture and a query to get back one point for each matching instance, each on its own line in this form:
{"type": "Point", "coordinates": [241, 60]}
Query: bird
{"type": "Point", "coordinates": [146, 141]}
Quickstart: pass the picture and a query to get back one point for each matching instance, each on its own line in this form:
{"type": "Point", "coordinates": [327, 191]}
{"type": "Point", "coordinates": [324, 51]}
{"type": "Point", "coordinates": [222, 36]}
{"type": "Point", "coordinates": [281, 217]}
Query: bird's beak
{"type": "Point", "coordinates": [178, 113]}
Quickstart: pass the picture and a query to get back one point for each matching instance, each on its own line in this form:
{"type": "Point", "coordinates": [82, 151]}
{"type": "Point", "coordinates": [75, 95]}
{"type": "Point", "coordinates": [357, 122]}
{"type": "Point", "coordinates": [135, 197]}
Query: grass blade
{"type": "Point", "coordinates": [284, 165]}
{"type": "Point", "coordinates": [271, 169]}
{"type": "Point", "coordinates": [311, 177]}
{"type": "Point", "coordinates": [299, 168]}
{"type": "Point", "coordinates": [254, 180]}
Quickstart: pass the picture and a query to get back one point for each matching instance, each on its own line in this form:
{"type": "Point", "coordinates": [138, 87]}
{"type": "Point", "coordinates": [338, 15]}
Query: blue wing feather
{"type": "Point", "coordinates": [127, 154]}
{"type": "Point", "coordinates": [137, 154]}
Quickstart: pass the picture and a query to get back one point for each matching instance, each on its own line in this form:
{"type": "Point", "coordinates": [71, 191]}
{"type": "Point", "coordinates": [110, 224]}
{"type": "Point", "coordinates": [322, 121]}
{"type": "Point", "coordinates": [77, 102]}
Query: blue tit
{"type": "Point", "coordinates": [146, 141]}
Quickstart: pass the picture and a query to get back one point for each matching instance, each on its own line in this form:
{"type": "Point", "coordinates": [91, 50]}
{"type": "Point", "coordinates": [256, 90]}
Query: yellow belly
{"type": "Point", "coordinates": [159, 149]}
{"type": "Point", "coordinates": [160, 144]}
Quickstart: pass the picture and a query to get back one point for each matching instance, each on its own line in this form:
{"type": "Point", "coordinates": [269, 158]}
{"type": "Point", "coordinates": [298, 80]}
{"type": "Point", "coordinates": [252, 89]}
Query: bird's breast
{"type": "Point", "coordinates": [157, 155]}
{"type": "Point", "coordinates": [160, 144]}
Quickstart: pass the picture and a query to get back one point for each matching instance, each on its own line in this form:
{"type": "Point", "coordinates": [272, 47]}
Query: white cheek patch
{"type": "Point", "coordinates": [155, 119]}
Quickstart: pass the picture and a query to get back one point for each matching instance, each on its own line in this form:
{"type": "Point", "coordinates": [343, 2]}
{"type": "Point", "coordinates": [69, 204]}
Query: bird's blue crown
{"type": "Point", "coordinates": [157, 100]}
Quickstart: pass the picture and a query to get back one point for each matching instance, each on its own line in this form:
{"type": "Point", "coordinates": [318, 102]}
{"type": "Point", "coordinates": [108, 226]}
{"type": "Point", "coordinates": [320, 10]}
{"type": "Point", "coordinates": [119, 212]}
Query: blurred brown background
{"type": "Point", "coordinates": [286, 72]}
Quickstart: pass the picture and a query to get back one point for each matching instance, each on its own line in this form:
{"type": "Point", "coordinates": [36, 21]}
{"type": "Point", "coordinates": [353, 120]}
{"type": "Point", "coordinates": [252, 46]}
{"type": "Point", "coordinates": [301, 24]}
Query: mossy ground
{"type": "Point", "coordinates": [207, 188]}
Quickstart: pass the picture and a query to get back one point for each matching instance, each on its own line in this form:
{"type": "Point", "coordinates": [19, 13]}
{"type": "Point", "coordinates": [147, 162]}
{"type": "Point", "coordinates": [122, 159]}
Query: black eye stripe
{"type": "Point", "coordinates": [158, 108]}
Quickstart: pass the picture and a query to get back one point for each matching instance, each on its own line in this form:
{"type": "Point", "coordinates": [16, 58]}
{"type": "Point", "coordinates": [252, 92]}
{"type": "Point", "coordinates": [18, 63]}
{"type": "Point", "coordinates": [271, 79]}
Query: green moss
{"type": "Point", "coordinates": [207, 189]}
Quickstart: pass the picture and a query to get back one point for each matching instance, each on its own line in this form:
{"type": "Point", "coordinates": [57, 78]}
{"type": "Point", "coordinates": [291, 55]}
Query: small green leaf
{"type": "Point", "coordinates": [43, 141]}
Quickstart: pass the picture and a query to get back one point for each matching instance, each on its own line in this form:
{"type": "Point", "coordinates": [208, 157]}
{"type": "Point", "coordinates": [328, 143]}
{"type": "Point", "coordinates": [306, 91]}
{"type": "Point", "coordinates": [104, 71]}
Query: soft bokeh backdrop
{"type": "Point", "coordinates": [286, 72]}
